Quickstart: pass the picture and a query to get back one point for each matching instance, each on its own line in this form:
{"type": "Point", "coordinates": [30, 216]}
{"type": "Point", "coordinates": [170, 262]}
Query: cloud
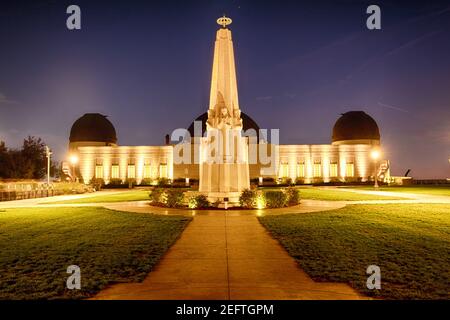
{"type": "Point", "coordinates": [440, 134]}
{"type": "Point", "coordinates": [412, 43]}
{"type": "Point", "coordinates": [290, 95]}
{"type": "Point", "coordinates": [384, 105]}
{"type": "Point", "coordinates": [265, 98]}
{"type": "Point", "coordinates": [5, 100]}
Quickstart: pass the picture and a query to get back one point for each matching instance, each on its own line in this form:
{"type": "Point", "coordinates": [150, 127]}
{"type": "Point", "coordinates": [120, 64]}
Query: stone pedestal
{"type": "Point", "coordinates": [221, 181]}
{"type": "Point", "coordinates": [224, 173]}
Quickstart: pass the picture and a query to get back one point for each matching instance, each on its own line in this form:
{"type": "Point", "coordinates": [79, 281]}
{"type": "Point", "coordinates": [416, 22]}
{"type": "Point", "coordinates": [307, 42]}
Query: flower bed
{"type": "Point", "coordinates": [249, 199]}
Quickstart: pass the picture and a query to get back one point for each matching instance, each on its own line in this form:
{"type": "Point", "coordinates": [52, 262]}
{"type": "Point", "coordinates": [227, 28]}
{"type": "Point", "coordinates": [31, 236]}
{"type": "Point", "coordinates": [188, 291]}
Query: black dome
{"type": "Point", "coordinates": [248, 123]}
{"type": "Point", "coordinates": [93, 127]}
{"type": "Point", "coordinates": [355, 125]}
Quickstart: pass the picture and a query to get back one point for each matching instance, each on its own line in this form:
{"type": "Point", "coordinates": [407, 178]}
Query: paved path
{"type": "Point", "coordinates": [305, 206]}
{"type": "Point", "coordinates": [227, 256]}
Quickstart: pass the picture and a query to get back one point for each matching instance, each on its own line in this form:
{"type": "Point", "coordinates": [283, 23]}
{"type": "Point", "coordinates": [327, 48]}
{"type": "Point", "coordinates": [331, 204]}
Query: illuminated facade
{"type": "Point", "coordinates": [348, 158]}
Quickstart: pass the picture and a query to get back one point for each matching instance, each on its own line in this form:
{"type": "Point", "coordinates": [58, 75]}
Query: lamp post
{"type": "Point", "coordinates": [48, 154]}
{"type": "Point", "coordinates": [73, 160]}
{"type": "Point", "coordinates": [375, 155]}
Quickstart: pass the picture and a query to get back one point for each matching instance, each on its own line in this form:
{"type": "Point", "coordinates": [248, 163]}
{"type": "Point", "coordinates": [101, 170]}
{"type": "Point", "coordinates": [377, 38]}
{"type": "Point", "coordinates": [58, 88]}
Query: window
{"type": "Point", "coordinates": [284, 170]}
{"type": "Point", "coordinates": [99, 172]}
{"type": "Point", "coordinates": [147, 171]}
{"type": "Point", "coordinates": [163, 171]}
{"type": "Point", "coordinates": [131, 171]}
{"type": "Point", "coordinates": [349, 170]}
{"type": "Point", "coordinates": [115, 171]}
{"type": "Point", "coordinates": [333, 170]}
{"type": "Point", "coordinates": [317, 170]}
{"type": "Point", "coordinates": [300, 170]}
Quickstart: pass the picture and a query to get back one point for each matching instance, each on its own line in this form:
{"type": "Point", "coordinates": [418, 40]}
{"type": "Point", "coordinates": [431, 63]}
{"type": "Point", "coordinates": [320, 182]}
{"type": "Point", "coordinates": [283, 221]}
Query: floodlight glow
{"type": "Point", "coordinates": [375, 154]}
{"type": "Point", "coordinates": [73, 159]}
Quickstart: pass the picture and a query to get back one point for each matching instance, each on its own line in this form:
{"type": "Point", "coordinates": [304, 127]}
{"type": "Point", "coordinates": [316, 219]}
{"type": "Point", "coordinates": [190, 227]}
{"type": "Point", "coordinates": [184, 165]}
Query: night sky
{"type": "Point", "coordinates": [147, 65]}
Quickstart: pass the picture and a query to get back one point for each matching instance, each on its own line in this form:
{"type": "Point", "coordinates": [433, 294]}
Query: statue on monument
{"type": "Point", "coordinates": [237, 119]}
{"type": "Point", "coordinates": [221, 118]}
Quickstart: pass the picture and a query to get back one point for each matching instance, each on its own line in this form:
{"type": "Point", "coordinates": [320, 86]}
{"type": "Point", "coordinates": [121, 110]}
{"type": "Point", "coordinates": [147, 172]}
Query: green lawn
{"type": "Point", "coordinates": [409, 242]}
{"type": "Point", "coordinates": [432, 190]}
{"type": "Point", "coordinates": [38, 244]}
{"type": "Point", "coordinates": [131, 195]}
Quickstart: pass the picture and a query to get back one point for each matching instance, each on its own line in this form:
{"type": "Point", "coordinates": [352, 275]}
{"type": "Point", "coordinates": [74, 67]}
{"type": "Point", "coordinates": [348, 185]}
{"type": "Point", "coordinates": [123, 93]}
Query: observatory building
{"type": "Point", "coordinates": [354, 137]}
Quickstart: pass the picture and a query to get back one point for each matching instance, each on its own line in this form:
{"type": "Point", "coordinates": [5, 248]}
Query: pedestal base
{"type": "Point", "coordinates": [224, 182]}
{"type": "Point", "coordinates": [232, 198]}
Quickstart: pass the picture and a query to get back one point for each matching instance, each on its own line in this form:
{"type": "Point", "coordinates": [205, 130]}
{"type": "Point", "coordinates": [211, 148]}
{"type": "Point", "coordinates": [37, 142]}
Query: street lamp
{"type": "Point", "coordinates": [73, 160]}
{"type": "Point", "coordinates": [375, 155]}
{"type": "Point", "coordinates": [48, 154]}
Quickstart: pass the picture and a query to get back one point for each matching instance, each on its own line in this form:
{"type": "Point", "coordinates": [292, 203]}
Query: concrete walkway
{"type": "Point", "coordinates": [227, 256]}
{"type": "Point", "coordinates": [304, 207]}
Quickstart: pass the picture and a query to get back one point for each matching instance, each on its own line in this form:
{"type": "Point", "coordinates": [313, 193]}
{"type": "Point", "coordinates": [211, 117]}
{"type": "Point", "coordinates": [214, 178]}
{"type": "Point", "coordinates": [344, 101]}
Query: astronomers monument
{"type": "Point", "coordinates": [224, 170]}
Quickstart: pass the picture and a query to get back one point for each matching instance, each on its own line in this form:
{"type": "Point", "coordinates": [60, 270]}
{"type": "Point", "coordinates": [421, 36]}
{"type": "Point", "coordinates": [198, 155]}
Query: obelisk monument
{"type": "Point", "coordinates": [224, 170]}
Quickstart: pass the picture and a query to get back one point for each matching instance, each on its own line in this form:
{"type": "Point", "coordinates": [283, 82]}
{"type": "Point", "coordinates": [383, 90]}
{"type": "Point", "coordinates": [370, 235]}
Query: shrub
{"type": "Point", "coordinates": [193, 181]}
{"type": "Point", "coordinates": [163, 182]}
{"type": "Point", "coordinates": [130, 182]}
{"type": "Point", "coordinates": [300, 181]}
{"type": "Point", "coordinates": [97, 183]}
{"type": "Point", "coordinates": [146, 182]}
{"type": "Point", "coordinates": [285, 181]}
{"type": "Point", "coordinates": [247, 199]}
{"type": "Point", "coordinates": [293, 196]}
{"type": "Point", "coordinates": [275, 199]}
{"type": "Point", "coordinates": [70, 188]}
{"type": "Point", "coordinates": [317, 180]}
{"type": "Point", "coordinates": [174, 198]}
{"type": "Point", "coordinates": [179, 182]}
{"type": "Point", "coordinates": [198, 202]}
{"type": "Point", "coordinates": [216, 203]}
{"type": "Point", "coordinates": [157, 196]}
{"type": "Point", "coordinates": [115, 182]}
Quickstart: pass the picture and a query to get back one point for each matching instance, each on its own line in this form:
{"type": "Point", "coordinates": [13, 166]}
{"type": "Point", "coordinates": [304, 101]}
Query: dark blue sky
{"type": "Point", "coordinates": [147, 65]}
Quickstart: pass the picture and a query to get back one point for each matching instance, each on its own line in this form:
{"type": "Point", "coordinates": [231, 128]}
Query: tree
{"type": "Point", "coordinates": [29, 162]}
{"type": "Point", "coordinates": [4, 163]}
{"type": "Point", "coordinates": [34, 158]}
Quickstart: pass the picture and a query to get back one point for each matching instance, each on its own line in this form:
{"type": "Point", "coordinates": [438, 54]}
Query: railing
{"type": "Point", "coordinates": [20, 195]}
{"type": "Point", "coordinates": [433, 181]}
{"type": "Point", "coordinates": [19, 190]}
